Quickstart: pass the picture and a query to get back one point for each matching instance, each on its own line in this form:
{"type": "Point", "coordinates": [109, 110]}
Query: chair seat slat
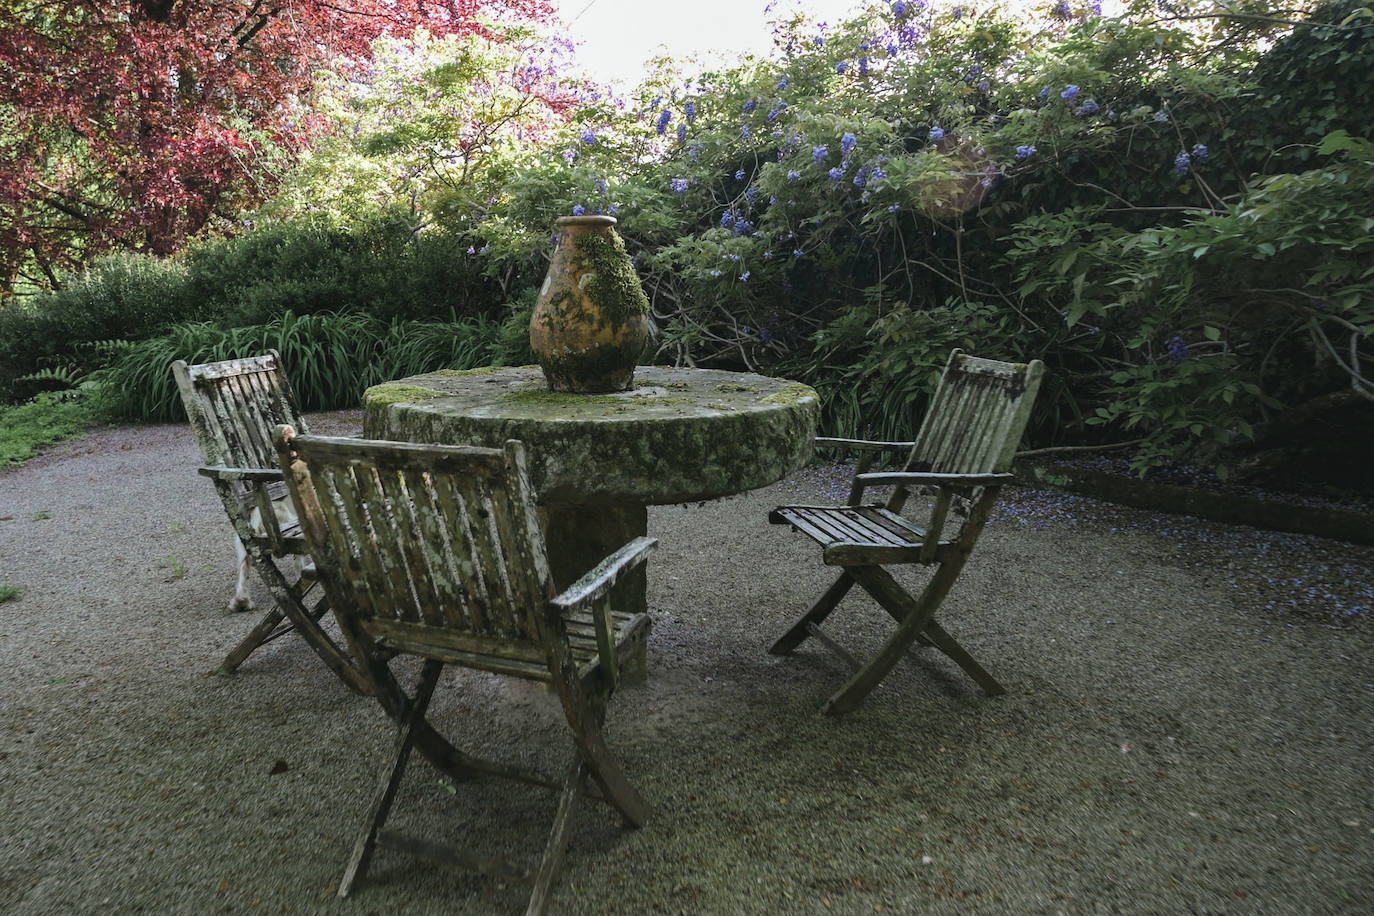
{"type": "Point", "coordinates": [852, 524]}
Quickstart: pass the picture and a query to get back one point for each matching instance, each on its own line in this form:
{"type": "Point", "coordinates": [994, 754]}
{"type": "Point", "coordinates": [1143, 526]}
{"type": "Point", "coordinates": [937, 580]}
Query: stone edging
{"type": "Point", "coordinates": [1344, 525]}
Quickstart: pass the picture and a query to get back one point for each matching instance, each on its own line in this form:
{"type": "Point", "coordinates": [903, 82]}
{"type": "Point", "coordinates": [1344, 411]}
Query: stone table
{"type": "Point", "coordinates": [597, 461]}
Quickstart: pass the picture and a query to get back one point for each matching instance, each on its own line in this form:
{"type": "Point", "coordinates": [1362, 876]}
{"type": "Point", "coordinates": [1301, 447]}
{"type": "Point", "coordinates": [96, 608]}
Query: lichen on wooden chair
{"type": "Point", "coordinates": [964, 449]}
{"type": "Point", "coordinates": [233, 405]}
{"type": "Point", "coordinates": [437, 552]}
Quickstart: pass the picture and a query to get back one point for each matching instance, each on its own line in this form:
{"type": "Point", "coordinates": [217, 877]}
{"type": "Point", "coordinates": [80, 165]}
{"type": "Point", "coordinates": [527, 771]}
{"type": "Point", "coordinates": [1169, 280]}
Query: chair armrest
{"type": "Point", "coordinates": [918, 478]}
{"type": "Point", "coordinates": [868, 449]}
{"type": "Point", "coordinates": [594, 589]}
{"type": "Point", "coordinates": [599, 580]}
{"type": "Point", "coordinates": [251, 475]}
{"type": "Point", "coordinates": [861, 445]}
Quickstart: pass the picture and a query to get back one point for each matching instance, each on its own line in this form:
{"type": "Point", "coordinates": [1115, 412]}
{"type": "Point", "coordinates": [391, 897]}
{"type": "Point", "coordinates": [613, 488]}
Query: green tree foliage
{"type": "Point", "coordinates": [1171, 207]}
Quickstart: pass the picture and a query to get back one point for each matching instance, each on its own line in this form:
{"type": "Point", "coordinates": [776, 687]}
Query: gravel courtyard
{"type": "Point", "coordinates": [1188, 728]}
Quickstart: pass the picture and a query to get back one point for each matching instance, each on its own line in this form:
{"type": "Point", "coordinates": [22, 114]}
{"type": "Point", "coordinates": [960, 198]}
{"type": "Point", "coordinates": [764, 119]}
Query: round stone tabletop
{"type": "Point", "coordinates": [680, 435]}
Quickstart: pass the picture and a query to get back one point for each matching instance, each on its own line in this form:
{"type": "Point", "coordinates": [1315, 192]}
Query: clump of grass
{"type": "Point", "coordinates": [9, 592]}
{"type": "Point", "coordinates": [46, 419]}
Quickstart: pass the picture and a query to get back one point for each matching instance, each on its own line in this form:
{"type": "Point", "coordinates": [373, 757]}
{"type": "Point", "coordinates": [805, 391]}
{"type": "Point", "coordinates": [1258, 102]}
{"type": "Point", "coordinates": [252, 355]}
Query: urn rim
{"type": "Point", "coordinates": [590, 221]}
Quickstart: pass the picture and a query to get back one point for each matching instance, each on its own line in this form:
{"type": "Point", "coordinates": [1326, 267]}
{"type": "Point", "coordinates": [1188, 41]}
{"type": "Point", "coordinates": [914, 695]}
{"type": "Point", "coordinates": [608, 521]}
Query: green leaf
{"type": "Point", "coordinates": [1210, 332]}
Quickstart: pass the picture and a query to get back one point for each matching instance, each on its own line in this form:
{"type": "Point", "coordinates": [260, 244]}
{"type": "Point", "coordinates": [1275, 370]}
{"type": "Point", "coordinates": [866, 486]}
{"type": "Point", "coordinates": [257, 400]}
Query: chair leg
{"type": "Point", "coordinates": [801, 629]}
{"type": "Point", "coordinates": [585, 714]}
{"type": "Point", "coordinates": [290, 598]}
{"type": "Point", "coordinates": [256, 637]}
{"type": "Point", "coordinates": [913, 614]}
{"type": "Point", "coordinates": [391, 778]}
{"type": "Point", "coordinates": [557, 845]}
{"type": "Point", "coordinates": [948, 645]}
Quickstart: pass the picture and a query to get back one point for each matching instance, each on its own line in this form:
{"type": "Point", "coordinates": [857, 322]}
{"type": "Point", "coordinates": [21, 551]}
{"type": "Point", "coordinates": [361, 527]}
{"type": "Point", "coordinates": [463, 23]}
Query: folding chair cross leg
{"type": "Point", "coordinates": [964, 449]}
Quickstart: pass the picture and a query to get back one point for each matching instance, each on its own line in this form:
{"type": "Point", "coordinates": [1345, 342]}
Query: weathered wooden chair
{"type": "Point", "coordinates": [964, 449]}
{"type": "Point", "coordinates": [437, 552]}
{"type": "Point", "coordinates": [233, 406]}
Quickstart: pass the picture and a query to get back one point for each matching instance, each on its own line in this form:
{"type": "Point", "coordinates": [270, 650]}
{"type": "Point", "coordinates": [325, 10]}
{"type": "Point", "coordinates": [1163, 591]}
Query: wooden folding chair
{"type": "Point", "coordinates": [233, 406]}
{"type": "Point", "coordinates": [437, 552]}
{"type": "Point", "coordinates": [964, 449]}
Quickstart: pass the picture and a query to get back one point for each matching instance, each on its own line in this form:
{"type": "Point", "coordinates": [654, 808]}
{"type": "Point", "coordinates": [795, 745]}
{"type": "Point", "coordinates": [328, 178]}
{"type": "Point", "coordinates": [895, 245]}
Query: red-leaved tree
{"type": "Point", "coordinates": [132, 123]}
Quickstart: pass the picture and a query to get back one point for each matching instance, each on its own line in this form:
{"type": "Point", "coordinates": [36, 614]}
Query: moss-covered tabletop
{"type": "Point", "coordinates": [596, 461]}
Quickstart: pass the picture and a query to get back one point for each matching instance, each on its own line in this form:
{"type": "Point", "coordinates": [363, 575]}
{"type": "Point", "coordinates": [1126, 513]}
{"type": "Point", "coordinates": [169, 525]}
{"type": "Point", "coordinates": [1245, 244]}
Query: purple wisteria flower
{"type": "Point", "coordinates": [819, 154]}
{"type": "Point", "coordinates": [601, 186]}
{"type": "Point", "coordinates": [1162, 116]}
{"type": "Point", "coordinates": [569, 155]}
{"type": "Point", "coordinates": [727, 219]}
{"type": "Point", "coordinates": [937, 133]}
{"type": "Point", "coordinates": [1062, 10]}
{"type": "Point", "coordinates": [751, 105]}
{"type": "Point", "coordinates": [1200, 153]}
{"type": "Point", "coordinates": [588, 137]}
{"type": "Point", "coordinates": [1178, 350]}
{"type": "Point", "coordinates": [682, 133]}
{"type": "Point", "coordinates": [739, 176]}
{"type": "Point", "coordinates": [744, 132]}
{"type": "Point", "coordinates": [744, 276]}
{"type": "Point", "coordinates": [1182, 162]}
{"type": "Point", "coordinates": [792, 175]}
{"type": "Point", "coordinates": [797, 252]}
{"type": "Point", "coordinates": [689, 111]}
{"type": "Point", "coordinates": [715, 273]}
{"type": "Point", "coordinates": [1088, 107]}
{"type": "Point", "coordinates": [472, 250]}
{"type": "Point", "coordinates": [863, 65]}
{"type": "Point", "coordinates": [1025, 152]}
{"type": "Point", "coordinates": [836, 173]}
{"type": "Point", "coordinates": [1070, 93]}
{"type": "Point", "coordinates": [847, 144]}
{"type": "Point", "coordinates": [899, 9]}
{"type": "Point", "coordinates": [579, 210]}
{"type": "Point", "coordinates": [1044, 93]}
{"type": "Point", "coordinates": [841, 67]}
{"type": "Point", "coordinates": [664, 117]}
{"type": "Point", "coordinates": [679, 185]}
{"type": "Point", "coordinates": [782, 84]}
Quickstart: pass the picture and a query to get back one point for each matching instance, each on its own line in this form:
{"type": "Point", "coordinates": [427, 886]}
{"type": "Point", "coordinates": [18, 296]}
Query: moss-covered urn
{"type": "Point", "coordinates": [591, 321]}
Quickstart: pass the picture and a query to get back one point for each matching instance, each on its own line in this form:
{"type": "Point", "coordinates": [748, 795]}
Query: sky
{"type": "Point", "coordinates": [615, 37]}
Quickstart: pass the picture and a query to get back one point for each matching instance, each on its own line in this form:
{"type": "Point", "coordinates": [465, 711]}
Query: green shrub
{"type": "Point", "coordinates": [121, 296]}
{"type": "Point", "coordinates": [379, 267]}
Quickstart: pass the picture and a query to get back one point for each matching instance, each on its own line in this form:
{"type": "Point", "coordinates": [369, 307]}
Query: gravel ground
{"type": "Point", "coordinates": [1188, 728]}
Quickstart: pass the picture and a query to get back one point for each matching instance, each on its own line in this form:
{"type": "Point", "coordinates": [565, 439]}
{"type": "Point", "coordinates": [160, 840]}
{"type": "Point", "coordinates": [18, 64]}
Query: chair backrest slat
{"type": "Point", "coordinates": [468, 611]}
{"type": "Point", "coordinates": [234, 404]}
{"type": "Point", "coordinates": [421, 539]}
{"type": "Point", "coordinates": [977, 416]}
